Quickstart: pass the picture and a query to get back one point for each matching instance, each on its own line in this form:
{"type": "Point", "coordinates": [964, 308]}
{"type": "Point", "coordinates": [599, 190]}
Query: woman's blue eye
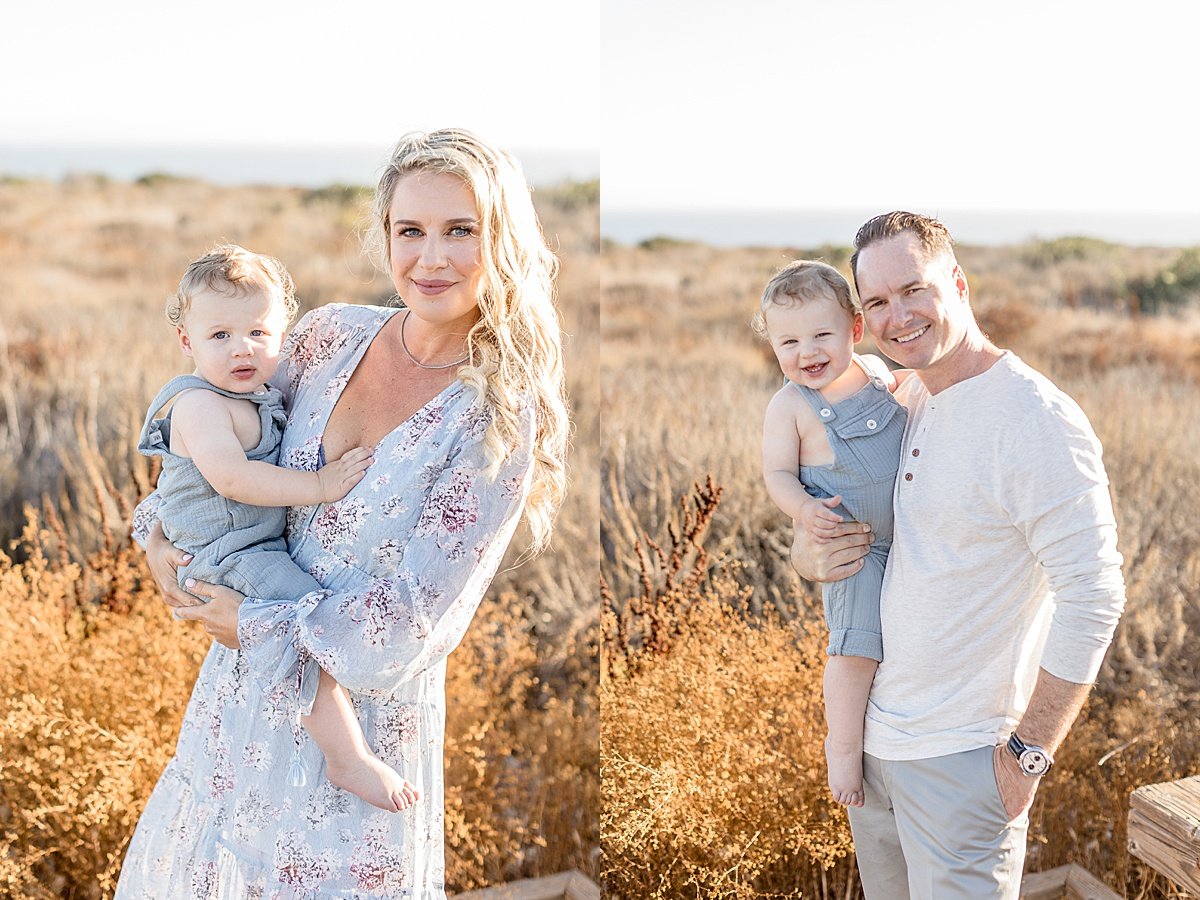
{"type": "Point", "coordinates": [461, 231]}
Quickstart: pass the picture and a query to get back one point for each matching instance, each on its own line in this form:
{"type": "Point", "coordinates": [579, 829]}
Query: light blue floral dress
{"type": "Point", "coordinates": [405, 558]}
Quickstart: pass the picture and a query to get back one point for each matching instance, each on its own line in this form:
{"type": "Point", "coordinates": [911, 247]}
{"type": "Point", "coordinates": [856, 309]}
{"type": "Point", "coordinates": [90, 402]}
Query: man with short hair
{"type": "Point", "coordinates": [1002, 589]}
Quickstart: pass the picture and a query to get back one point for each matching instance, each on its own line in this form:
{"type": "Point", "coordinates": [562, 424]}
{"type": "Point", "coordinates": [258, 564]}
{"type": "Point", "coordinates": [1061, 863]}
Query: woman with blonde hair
{"type": "Point", "coordinates": [460, 392]}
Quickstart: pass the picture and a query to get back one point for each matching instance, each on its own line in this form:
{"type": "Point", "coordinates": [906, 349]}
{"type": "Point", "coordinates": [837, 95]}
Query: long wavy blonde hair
{"type": "Point", "coordinates": [516, 345]}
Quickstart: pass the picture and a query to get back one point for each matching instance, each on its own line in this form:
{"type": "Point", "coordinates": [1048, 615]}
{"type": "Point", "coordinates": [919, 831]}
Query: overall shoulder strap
{"type": "Point", "coordinates": [825, 411]}
{"type": "Point", "coordinates": [175, 386]}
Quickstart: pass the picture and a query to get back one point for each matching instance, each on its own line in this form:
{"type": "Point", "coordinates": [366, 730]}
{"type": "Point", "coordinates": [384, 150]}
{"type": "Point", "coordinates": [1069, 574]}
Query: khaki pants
{"type": "Point", "coordinates": [936, 829]}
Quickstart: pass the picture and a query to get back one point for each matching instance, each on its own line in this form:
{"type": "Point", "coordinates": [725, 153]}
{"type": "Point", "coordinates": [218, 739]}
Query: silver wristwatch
{"type": "Point", "coordinates": [1033, 760]}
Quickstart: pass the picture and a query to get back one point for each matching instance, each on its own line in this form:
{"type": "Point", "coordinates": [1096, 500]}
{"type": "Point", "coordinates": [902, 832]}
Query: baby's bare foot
{"type": "Point", "coordinates": [845, 775]}
{"type": "Point", "coordinates": [374, 781]}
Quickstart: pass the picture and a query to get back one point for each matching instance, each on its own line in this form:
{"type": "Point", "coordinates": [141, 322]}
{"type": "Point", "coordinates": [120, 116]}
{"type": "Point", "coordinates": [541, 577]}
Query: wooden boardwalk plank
{"type": "Point", "coordinates": [1164, 829]}
{"type": "Point", "coordinates": [1069, 882]}
{"type": "Point", "coordinates": [572, 885]}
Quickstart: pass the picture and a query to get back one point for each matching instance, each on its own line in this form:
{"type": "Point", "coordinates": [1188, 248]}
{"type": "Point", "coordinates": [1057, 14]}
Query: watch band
{"type": "Point", "coordinates": [1033, 760]}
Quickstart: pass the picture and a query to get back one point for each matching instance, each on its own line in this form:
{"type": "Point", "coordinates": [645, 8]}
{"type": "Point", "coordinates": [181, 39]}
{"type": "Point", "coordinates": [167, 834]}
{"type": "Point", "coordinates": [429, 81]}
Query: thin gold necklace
{"type": "Point", "coordinates": [404, 344]}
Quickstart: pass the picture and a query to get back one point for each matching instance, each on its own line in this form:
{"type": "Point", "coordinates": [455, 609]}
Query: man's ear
{"type": "Point", "coordinates": [185, 342]}
{"type": "Point", "coordinates": [960, 282]}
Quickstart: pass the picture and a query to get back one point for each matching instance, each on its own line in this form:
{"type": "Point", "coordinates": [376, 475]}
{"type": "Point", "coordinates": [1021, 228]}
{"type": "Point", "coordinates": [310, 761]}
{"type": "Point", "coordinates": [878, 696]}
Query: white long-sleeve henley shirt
{"type": "Point", "coordinates": [1004, 559]}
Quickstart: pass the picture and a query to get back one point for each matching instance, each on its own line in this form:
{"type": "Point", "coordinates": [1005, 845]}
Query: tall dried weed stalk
{"type": "Point", "coordinates": [711, 761]}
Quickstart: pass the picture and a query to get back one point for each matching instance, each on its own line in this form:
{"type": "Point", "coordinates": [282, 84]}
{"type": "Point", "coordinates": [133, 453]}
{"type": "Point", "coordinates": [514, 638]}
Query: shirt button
{"type": "Point", "coordinates": [826, 413]}
{"type": "Point", "coordinates": [871, 423]}
{"type": "Point", "coordinates": [908, 476]}
{"type": "Point", "coordinates": [916, 452]}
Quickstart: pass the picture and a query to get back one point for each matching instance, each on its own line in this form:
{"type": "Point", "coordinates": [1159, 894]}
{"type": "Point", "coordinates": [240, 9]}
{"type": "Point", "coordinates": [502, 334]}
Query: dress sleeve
{"type": "Point", "coordinates": [374, 639]}
{"type": "Point", "coordinates": [304, 345]}
{"type": "Point", "coordinates": [145, 514]}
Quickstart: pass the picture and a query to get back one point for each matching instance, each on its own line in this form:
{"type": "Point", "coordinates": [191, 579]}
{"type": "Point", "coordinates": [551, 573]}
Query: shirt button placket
{"type": "Point", "coordinates": [908, 476]}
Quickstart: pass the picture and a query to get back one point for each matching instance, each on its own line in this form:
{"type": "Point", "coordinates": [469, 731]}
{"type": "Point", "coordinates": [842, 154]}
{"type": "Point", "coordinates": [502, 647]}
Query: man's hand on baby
{"type": "Point", "coordinates": [339, 476]}
{"type": "Point", "coordinates": [834, 558]}
{"type": "Point", "coordinates": [819, 520]}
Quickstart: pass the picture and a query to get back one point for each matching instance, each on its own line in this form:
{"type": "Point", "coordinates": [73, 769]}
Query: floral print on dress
{"type": "Point", "coordinates": [301, 865]}
{"type": "Point", "coordinates": [257, 756]}
{"type": "Point", "coordinates": [380, 610]}
{"type": "Point", "coordinates": [378, 867]}
{"type": "Point", "coordinates": [388, 555]}
{"type": "Point", "coordinates": [325, 804]}
{"type": "Point", "coordinates": [251, 814]}
{"type": "Point", "coordinates": [306, 456]}
{"type": "Point", "coordinates": [404, 559]}
{"type": "Point", "coordinates": [451, 509]}
{"type": "Point", "coordinates": [422, 421]}
{"type": "Point", "coordinates": [310, 347]}
{"type": "Point", "coordinates": [339, 523]}
{"type": "Point", "coordinates": [398, 727]}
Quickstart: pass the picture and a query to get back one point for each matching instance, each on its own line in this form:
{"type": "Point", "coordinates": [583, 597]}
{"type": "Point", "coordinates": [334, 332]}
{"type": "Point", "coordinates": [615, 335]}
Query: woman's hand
{"type": "Point", "coordinates": [164, 560]}
{"type": "Point", "coordinates": [834, 558]}
{"type": "Point", "coordinates": [219, 615]}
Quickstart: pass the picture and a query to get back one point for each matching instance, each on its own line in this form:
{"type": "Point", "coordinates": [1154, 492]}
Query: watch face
{"type": "Point", "coordinates": [1034, 762]}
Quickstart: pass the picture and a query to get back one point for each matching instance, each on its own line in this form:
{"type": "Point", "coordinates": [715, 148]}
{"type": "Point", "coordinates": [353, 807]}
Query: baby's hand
{"type": "Point", "coordinates": [819, 520]}
{"type": "Point", "coordinates": [339, 476]}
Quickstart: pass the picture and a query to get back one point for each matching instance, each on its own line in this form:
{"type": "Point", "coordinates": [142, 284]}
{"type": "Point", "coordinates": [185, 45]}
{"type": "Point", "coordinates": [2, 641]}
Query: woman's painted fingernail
{"type": "Point", "coordinates": [191, 582]}
{"type": "Point", "coordinates": [188, 557]}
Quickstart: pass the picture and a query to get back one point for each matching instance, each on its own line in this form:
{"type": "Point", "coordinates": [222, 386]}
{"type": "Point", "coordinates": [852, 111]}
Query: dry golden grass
{"type": "Point", "coordinates": [711, 781]}
{"type": "Point", "coordinates": [94, 673]}
{"type": "Point", "coordinates": [684, 384]}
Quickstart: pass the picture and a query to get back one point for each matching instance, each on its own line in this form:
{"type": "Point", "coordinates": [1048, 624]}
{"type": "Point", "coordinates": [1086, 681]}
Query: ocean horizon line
{"type": "Point", "coordinates": [307, 166]}
{"type": "Point", "coordinates": [837, 227]}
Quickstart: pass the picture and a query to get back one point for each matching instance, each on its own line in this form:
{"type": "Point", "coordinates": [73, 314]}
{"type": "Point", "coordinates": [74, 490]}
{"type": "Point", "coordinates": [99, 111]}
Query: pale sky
{"type": "Point", "coordinates": [296, 73]}
{"type": "Point", "coordinates": [706, 104]}
{"type": "Point", "coordinates": [928, 104]}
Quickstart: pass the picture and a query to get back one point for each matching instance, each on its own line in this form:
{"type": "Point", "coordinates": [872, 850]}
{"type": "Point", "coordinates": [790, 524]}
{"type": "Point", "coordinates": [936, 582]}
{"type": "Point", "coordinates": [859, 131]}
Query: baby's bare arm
{"type": "Point", "coordinates": [204, 423]}
{"type": "Point", "coordinates": [781, 464]}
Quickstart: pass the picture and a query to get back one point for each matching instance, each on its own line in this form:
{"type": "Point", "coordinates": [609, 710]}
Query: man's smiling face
{"type": "Point", "coordinates": [915, 307]}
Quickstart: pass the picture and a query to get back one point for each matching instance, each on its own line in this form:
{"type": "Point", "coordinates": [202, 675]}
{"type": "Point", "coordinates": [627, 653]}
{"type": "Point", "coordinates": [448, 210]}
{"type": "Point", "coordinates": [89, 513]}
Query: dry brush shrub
{"type": "Point", "coordinates": [93, 686]}
{"type": "Point", "coordinates": [92, 690]}
{"type": "Point", "coordinates": [712, 767]}
{"type": "Point", "coordinates": [522, 767]}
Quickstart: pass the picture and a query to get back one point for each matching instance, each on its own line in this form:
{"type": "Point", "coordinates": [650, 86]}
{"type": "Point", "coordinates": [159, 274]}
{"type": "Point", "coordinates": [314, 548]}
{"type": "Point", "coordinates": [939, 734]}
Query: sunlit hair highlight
{"type": "Point", "coordinates": [516, 345]}
{"type": "Point", "coordinates": [934, 236]}
{"type": "Point", "coordinates": [799, 282]}
{"type": "Point", "coordinates": [235, 272]}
